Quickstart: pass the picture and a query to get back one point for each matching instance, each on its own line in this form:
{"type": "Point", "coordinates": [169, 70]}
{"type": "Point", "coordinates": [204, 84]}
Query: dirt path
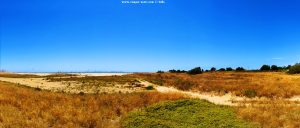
{"type": "Point", "coordinates": [227, 99]}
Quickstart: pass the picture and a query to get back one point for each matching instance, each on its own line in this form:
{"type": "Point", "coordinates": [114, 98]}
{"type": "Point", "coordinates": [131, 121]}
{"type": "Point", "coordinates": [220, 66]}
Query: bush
{"type": "Point", "coordinates": [265, 68]}
{"type": "Point", "coordinates": [81, 93]}
{"type": "Point", "coordinates": [184, 84]}
{"type": "Point", "coordinates": [274, 68]}
{"type": "Point", "coordinates": [250, 93]}
{"type": "Point", "coordinates": [177, 71]}
{"type": "Point", "coordinates": [229, 69]}
{"type": "Point", "coordinates": [160, 71]}
{"type": "Point", "coordinates": [213, 69]}
{"type": "Point", "coordinates": [222, 69]}
{"type": "Point", "coordinates": [195, 71]}
{"type": "Point", "coordinates": [185, 114]}
{"type": "Point", "coordinates": [38, 89]}
{"type": "Point", "coordinates": [240, 69]}
{"type": "Point", "coordinates": [295, 69]}
{"type": "Point", "coordinates": [150, 87]}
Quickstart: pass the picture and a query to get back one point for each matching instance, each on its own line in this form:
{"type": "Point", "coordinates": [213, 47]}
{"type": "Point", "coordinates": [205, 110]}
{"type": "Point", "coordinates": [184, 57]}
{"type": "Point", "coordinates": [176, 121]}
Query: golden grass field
{"type": "Point", "coordinates": [26, 107]}
{"type": "Point", "coordinates": [22, 106]}
{"type": "Point", "coordinates": [268, 84]}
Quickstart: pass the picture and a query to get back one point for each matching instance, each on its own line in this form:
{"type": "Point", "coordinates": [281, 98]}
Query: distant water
{"type": "Point", "coordinates": [81, 73]}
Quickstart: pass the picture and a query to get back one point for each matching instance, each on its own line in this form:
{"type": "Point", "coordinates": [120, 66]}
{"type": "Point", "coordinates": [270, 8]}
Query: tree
{"type": "Point", "coordinates": [159, 71]}
{"type": "Point", "coordinates": [172, 71]}
{"type": "Point", "coordinates": [195, 71]}
{"type": "Point", "coordinates": [288, 67]}
{"type": "Point", "coordinates": [265, 68]}
{"type": "Point", "coordinates": [274, 68]}
{"type": "Point", "coordinates": [295, 69]}
{"type": "Point", "coordinates": [177, 71]}
{"type": "Point", "coordinates": [229, 69]}
{"type": "Point", "coordinates": [240, 69]}
{"type": "Point", "coordinates": [213, 69]}
{"type": "Point", "coordinates": [222, 69]}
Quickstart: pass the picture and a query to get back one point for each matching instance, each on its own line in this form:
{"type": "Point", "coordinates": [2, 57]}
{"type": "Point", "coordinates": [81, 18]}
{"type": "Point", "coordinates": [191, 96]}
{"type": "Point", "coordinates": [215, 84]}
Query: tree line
{"type": "Point", "coordinates": [295, 69]}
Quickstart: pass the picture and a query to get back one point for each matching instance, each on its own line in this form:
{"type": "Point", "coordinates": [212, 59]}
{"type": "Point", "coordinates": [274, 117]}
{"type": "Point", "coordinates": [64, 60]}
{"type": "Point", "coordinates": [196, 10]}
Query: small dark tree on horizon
{"type": "Point", "coordinates": [195, 71]}
{"type": "Point", "coordinates": [177, 71]}
{"type": "Point", "coordinates": [295, 69]}
{"type": "Point", "coordinates": [229, 69]}
{"type": "Point", "coordinates": [274, 68]}
{"type": "Point", "coordinates": [239, 69]}
{"type": "Point", "coordinates": [265, 68]}
{"type": "Point", "coordinates": [159, 71]}
{"type": "Point", "coordinates": [213, 69]}
{"type": "Point", "coordinates": [222, 69]}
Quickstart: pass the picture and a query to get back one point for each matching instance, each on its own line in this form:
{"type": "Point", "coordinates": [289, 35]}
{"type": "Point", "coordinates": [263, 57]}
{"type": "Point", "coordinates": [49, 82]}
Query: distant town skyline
{"type": "Point", "coordinates": [93, 35]}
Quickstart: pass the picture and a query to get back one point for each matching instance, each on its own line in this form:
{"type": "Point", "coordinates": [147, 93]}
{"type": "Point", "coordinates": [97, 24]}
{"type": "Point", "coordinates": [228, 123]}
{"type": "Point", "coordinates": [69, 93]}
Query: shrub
{"type": "Point", "coordinates": [229, 69]}
{"type": "Point", "coordinates": [274, 68]}
{"type": "Point", "coordinates": [160, 71]}
{"type": "Point", "coordinates": [195, 71]}
{"type": "Point", "coordinates": [81, 93]}
{"type": "Point", "coordinates": [265, 68]}
{"type": "Point", "coordinates": [240, 69]}
{"type": "Point", "coordinates": [150, 87]}
{"type": "Point", "coordinates": [295, 69]}
{"type": "Point", "coordinates": [183, 84]}
{"type": "Point", "coordinates": [38, 89]}
{"type": "Point", "coordinates": [177, 71]}
{"type": "Point", "coordinates": [185, 114]}
{"type": "Point", "coordinates": [222, 69]}
{"type": "Point", "coordinates": [250, 93]}
{"type": "Point", "coordinates": [213, 69]}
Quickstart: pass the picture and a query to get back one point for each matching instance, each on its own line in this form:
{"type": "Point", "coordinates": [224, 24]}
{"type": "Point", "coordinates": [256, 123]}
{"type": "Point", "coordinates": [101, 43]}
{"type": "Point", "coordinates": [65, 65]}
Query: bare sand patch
{"type": "Point", "coordinates": [71, 86]}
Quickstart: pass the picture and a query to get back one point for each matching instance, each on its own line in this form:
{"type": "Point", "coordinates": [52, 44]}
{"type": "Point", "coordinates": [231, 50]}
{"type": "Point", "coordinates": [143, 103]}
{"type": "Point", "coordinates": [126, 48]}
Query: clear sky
{"type": "Point", "coordinates": [106, 35]}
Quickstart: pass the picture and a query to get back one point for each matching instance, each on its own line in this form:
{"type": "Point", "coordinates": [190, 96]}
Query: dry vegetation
{"type": "Point", "coordinates": [13, 75]}
{"type": "Point", "coordinates": [25, 107]}
{"type": "Point", "coordinates": [272, 114]}
{"type": "Point", "coordinates": [100, 84]}
{"type": "Point", "coordinates": [268, 84]}
{"type": "Point", "coordinates": [96, 80]}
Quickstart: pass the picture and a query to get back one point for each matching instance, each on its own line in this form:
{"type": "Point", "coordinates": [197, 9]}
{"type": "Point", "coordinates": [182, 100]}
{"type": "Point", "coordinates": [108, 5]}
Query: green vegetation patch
{"type": "Point", "coordinates": [185, 114]}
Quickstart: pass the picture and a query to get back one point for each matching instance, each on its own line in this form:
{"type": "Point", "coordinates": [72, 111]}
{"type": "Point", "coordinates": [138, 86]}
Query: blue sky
{"type": "Point", "coordinates": [106, 35]}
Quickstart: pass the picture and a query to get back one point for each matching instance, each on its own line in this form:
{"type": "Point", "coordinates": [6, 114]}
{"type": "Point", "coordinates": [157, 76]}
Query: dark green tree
{"type": "Point", "coordinates": [213, 69]}
{"type": "Point", "coordinates": [265, 68]}
{"type": "Point", "coordinates": [222, 69]}
{"type": "Point", "coordinates": [195, 71]}
{"type": "Point", "coordinates": [274, 68]}
{"type": "Point", "coordinates": [229, 69]}
{"type": "Point", "coordinates": [239, 69]}
{"type": "Point", "coordinates": [295, 69]}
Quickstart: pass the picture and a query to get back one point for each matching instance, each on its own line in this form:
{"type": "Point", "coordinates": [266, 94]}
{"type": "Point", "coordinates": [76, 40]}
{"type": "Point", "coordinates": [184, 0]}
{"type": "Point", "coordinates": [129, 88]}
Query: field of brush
{"type": "Point", "coordinates": [251, 84]}
{"type": "Point", "coordinates": [133, 100]}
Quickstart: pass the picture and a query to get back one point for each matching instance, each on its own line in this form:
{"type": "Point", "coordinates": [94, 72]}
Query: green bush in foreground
{"type": "Point", "coordinates": [185, 114]}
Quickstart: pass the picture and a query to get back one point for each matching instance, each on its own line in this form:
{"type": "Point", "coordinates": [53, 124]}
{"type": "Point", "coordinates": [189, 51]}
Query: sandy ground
{"type": "Point", "coordinates": [69, 87]}
{"type": "Point", "coordinates": [81, 74]}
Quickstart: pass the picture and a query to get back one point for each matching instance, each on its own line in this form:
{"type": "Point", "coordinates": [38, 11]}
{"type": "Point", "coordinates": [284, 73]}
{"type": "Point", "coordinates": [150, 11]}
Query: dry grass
{"type": "Point", "coordinates": [26, 107]}
{"type": "Point", "coordinates": [97, 80]}
{"type": "Point", "coordinates": [272, 114]}
{"type": "Point", "coordinates": [13, 75]}
{"type": "Point", "coordinates": [269, 84]}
